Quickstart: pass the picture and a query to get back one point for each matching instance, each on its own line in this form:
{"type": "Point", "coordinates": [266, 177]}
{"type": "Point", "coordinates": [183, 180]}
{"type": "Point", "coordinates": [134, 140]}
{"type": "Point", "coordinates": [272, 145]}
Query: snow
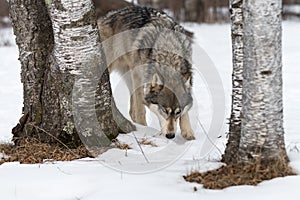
{"type": "Point", "coordinates": [135, 2]}
{"type": "Point", "coordinates": [295, 9]}
{"type": "Point", "coordinates": [6, 38]}
{"type": "Point", "coordinates": [125, 174]}
{"type": "Point", "coordinates": [10, 91]}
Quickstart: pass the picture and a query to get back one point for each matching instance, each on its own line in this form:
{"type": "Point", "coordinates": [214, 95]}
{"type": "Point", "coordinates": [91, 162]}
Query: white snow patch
{"type": "Point", "coordinates": [6, 37]}
{"type": "Point", "coordinates": [292, 9]}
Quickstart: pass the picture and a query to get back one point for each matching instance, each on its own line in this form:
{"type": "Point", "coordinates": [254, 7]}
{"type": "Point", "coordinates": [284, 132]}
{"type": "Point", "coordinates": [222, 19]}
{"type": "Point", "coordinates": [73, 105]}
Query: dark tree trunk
{"type": "Point", "coordinates": [34, 37]}
{"type": "Point", "coordinates": [54, 75]}
{"type": "Point", "coordinates": [191, 12]}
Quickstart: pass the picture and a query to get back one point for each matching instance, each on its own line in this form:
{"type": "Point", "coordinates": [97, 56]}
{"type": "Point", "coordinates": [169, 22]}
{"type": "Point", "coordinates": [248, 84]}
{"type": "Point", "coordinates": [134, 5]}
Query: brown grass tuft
{"type": "Point", "coordinates": [240, 174]}
{"type": "Point", "coordinates": [144, 141]}
{"type": "Point", "coordinates": [117, 144]}
{"type": "Point", "coordinates": [31, 151]}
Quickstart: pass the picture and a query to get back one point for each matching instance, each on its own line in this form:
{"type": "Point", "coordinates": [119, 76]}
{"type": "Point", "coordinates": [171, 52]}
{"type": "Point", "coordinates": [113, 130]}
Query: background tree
{"type": "Point", "coordinates": [56, 46]}
{"type": "Point", "coordinates": [208, 11]}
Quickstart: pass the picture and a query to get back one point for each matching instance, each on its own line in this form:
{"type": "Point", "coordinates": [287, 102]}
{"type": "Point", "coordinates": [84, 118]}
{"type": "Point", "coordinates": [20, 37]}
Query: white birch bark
{"type": "Point", "coordinates": [262, 135]}
{"type": "Point", "coordinates": [236, 10]}
{"type": "Point", "coordinates": [77, 56]}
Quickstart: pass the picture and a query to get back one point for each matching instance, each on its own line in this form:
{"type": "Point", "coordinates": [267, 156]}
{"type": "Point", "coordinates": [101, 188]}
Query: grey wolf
{"type": "Point", "coordinates": [160, 73]}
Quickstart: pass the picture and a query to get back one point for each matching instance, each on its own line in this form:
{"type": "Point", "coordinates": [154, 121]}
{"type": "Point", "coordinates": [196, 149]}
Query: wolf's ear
{"type": "Point", "coordinates": [156, 80]}
{"type": "Point", "coordinates": [188, 83]}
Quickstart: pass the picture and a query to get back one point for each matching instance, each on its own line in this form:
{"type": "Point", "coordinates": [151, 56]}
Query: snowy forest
{"type": "Point", "coordinates": [143, 99]}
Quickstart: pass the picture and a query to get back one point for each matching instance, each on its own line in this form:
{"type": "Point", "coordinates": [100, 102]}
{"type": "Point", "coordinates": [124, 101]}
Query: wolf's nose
{"type": "Point", "coordinates": [170, 135]}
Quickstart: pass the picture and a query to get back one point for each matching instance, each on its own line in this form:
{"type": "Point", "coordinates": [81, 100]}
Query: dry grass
{"type": "Point", "coordinates": [31, 151]}
{"type": "Point", "coordinates": [145, 141]}
{"type": "Point", "coordinates": [240, 174]}
{"type": "Point", "coordinates": [117, 144]}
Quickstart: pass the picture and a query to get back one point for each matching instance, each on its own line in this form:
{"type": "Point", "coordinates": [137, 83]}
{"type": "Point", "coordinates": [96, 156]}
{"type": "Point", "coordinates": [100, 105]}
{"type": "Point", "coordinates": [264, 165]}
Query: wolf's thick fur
{"type": "Point", "coordinates": [159, 68]}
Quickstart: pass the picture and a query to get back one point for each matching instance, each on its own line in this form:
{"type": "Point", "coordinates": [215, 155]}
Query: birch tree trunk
{"type": "Point", "coordinates": [262, 134]}
{"type": "Point", "coordinates": [236, 11]}
{"type": "Point", "coordinates": [256, 123]}
{"type": "Point", "coordinates": [59, 51]}
{"type": "Point", "coordinates": [76, 54]}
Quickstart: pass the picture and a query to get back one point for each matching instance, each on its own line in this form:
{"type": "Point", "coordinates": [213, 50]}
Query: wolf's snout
{"type": "Point", "coordinates": [170, 135]}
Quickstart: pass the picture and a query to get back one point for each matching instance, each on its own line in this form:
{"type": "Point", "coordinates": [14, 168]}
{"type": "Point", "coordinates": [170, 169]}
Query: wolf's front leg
{"type": "Point", "coordinates": [185, 126]}
{"type": "Point", "coordinates": [137, 109]}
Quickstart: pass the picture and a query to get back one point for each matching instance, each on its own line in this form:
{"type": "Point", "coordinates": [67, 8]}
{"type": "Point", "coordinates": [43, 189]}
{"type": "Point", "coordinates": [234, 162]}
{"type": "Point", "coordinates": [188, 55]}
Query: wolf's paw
{"type": "Point", "coordinates": [188, 134]}
{"type": "Point", "coordinates": [139, 121]}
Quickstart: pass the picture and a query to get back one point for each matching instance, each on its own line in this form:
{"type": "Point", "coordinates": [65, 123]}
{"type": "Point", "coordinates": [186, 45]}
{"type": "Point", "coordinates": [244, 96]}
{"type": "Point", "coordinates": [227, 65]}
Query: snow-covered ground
{"type": "Point", "coordinates": [118, 174]}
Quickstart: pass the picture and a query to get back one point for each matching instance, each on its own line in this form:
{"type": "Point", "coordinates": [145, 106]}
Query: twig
{"type": "Point", "coordinates": [43, 130]}
{"type": "Point", "coordinates": [140, 147]}
{"type": "Point", "coordinates": [202, 127]}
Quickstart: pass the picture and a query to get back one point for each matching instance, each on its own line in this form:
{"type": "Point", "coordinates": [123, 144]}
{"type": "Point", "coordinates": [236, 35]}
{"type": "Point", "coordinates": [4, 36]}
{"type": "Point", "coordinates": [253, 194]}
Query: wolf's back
{"type": "Point", "coordinates": [151, 36]}
{"type": "Point", "coordinates": [134, 18]}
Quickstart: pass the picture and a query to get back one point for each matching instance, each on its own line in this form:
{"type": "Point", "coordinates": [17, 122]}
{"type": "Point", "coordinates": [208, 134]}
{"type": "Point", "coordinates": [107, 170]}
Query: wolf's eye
{"type": "Point", "coordinates": [163, 109]}
{"type": "Point", "coordinates": [177, 112]}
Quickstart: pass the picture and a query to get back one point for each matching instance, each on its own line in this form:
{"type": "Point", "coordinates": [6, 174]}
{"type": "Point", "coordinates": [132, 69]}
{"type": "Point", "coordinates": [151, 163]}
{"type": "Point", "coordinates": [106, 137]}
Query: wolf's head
{"type": "Point", "coordinates": [169, 98]}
